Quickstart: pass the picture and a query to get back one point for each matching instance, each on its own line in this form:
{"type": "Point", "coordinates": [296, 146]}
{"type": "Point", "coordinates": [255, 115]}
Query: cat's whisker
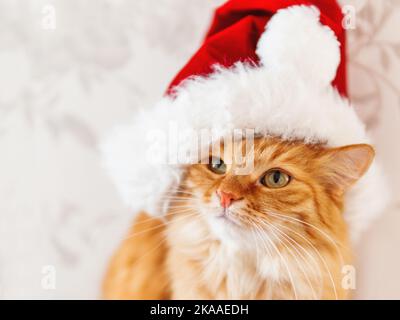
{"type": "Point", "coordinates": [313, 266]}
{"type": "Point", "coordinates": [180, 197]}
{"type": "Point", "coordinates": [177, 198]}
{"type": "Point", "coordinates": [181, 204]}
{"type": "Point", "coordinates": [246, 220]}
{"type": "Point", "coordinates": [311, 262]}
{"type": "Point", "coordinates": [162, 225]}
{"type": "Point", "coordinates": [257, 253]}
{"type": "Point", "coordinates": [152, 218]}
{"type": "Point", "coordinates": [311, 256]}
{"type": "Point", "coordinates": [262, 234]}
{"type": "Point", "coordinates": [257, 249]}
{"type": "Point", "coordinates": [320, 256]}
{"type": "Point", "coordinates": [179, 193]}
{"type": "Point", "coordinates": [328, 237]}
{"type": "Point", "coordinates": [256, 240]}
{"type": "Point", "coordinates": [182, 191]}
{"type": "Point", "coordinates": [285, 262]}
{"type": "Point", "coordinates": [322, 259]}
{"type": "Point", "coordinates": [286, 237]}
{"type": "Point", "coordinates": [158, 245]}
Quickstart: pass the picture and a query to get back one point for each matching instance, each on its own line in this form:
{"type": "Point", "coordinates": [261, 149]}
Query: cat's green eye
{"type": "Point", "coordinates": [275, 178]}
{"type": "Point", "coordinates": [217, 165]}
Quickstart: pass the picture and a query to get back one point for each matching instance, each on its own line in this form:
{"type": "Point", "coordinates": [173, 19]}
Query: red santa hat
{"type": "Point", "coordinates": [237, 27]}
{"type": "Point", "coordinates": [274, 66]}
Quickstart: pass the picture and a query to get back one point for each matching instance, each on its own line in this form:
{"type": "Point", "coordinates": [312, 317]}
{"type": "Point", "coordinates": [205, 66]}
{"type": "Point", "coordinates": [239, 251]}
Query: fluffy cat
{"type": "Point", "coordinates": [275, 233]}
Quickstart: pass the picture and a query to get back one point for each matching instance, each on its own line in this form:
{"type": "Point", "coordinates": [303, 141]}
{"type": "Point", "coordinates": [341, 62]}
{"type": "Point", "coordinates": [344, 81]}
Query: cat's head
{"type": "Point", "coordinates": [293, 187]}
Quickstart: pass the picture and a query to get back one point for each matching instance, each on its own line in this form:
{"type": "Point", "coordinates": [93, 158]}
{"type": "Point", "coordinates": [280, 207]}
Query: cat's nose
{"type": "Point", "coordinates": [226, 198]}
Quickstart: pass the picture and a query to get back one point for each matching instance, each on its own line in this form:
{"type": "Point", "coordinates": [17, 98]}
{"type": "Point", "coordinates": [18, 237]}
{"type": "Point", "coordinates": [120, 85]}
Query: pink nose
{"type": "Point", "coordinates": [226, 198]}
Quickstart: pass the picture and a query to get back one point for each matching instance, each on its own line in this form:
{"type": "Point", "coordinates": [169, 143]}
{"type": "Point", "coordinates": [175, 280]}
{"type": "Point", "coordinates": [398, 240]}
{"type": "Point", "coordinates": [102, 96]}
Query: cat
{"type": "Point", "coordinates": [275, 233]}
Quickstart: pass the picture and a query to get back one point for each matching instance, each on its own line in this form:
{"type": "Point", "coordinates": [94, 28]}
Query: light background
{"type": "Point", "coordinates": [61, 90]}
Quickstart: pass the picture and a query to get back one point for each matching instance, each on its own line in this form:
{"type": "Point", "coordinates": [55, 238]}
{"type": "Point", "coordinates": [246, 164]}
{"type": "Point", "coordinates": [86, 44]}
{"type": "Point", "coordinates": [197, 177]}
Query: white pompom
{"type": "Point", "coordinates": [295, 39]}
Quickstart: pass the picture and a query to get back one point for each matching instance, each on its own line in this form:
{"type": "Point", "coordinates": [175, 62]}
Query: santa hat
{"type": "Point", "coordinates": [277, 67]}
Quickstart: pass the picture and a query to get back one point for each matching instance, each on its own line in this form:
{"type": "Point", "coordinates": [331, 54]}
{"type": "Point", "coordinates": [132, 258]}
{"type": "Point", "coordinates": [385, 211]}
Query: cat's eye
{"type": "Point", "coordinates": [217, 165]}
{"type": "Point", "coordinates": [275, 178]}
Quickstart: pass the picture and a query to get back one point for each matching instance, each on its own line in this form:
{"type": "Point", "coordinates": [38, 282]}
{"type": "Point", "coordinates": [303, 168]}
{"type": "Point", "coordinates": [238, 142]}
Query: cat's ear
{"type": "Point", "coordinates": [342, 167]}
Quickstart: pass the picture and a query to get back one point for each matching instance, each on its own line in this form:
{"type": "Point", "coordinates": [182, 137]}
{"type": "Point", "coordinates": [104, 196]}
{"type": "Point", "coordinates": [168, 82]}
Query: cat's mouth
{"type": "Point", "coordinates": [226, 215]}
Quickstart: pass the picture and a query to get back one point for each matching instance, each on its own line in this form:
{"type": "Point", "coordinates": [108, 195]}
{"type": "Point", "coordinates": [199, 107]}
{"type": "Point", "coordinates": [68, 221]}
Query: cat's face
{"type": "Point", "coordinates": [293, 188]}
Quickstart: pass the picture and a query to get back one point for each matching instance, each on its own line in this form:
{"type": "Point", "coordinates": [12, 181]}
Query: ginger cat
{"type": "Point", "coordinates": [275, 233]}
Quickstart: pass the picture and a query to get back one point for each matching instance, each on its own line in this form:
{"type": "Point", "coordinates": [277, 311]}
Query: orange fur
{"type": "Point", "coordinates": [285, 243]}
{"type": "Point", "coordinates": [137, 268]}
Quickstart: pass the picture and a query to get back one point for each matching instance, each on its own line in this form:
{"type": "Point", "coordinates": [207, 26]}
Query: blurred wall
{"type": "Point", "coordinates": [72, 69]}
